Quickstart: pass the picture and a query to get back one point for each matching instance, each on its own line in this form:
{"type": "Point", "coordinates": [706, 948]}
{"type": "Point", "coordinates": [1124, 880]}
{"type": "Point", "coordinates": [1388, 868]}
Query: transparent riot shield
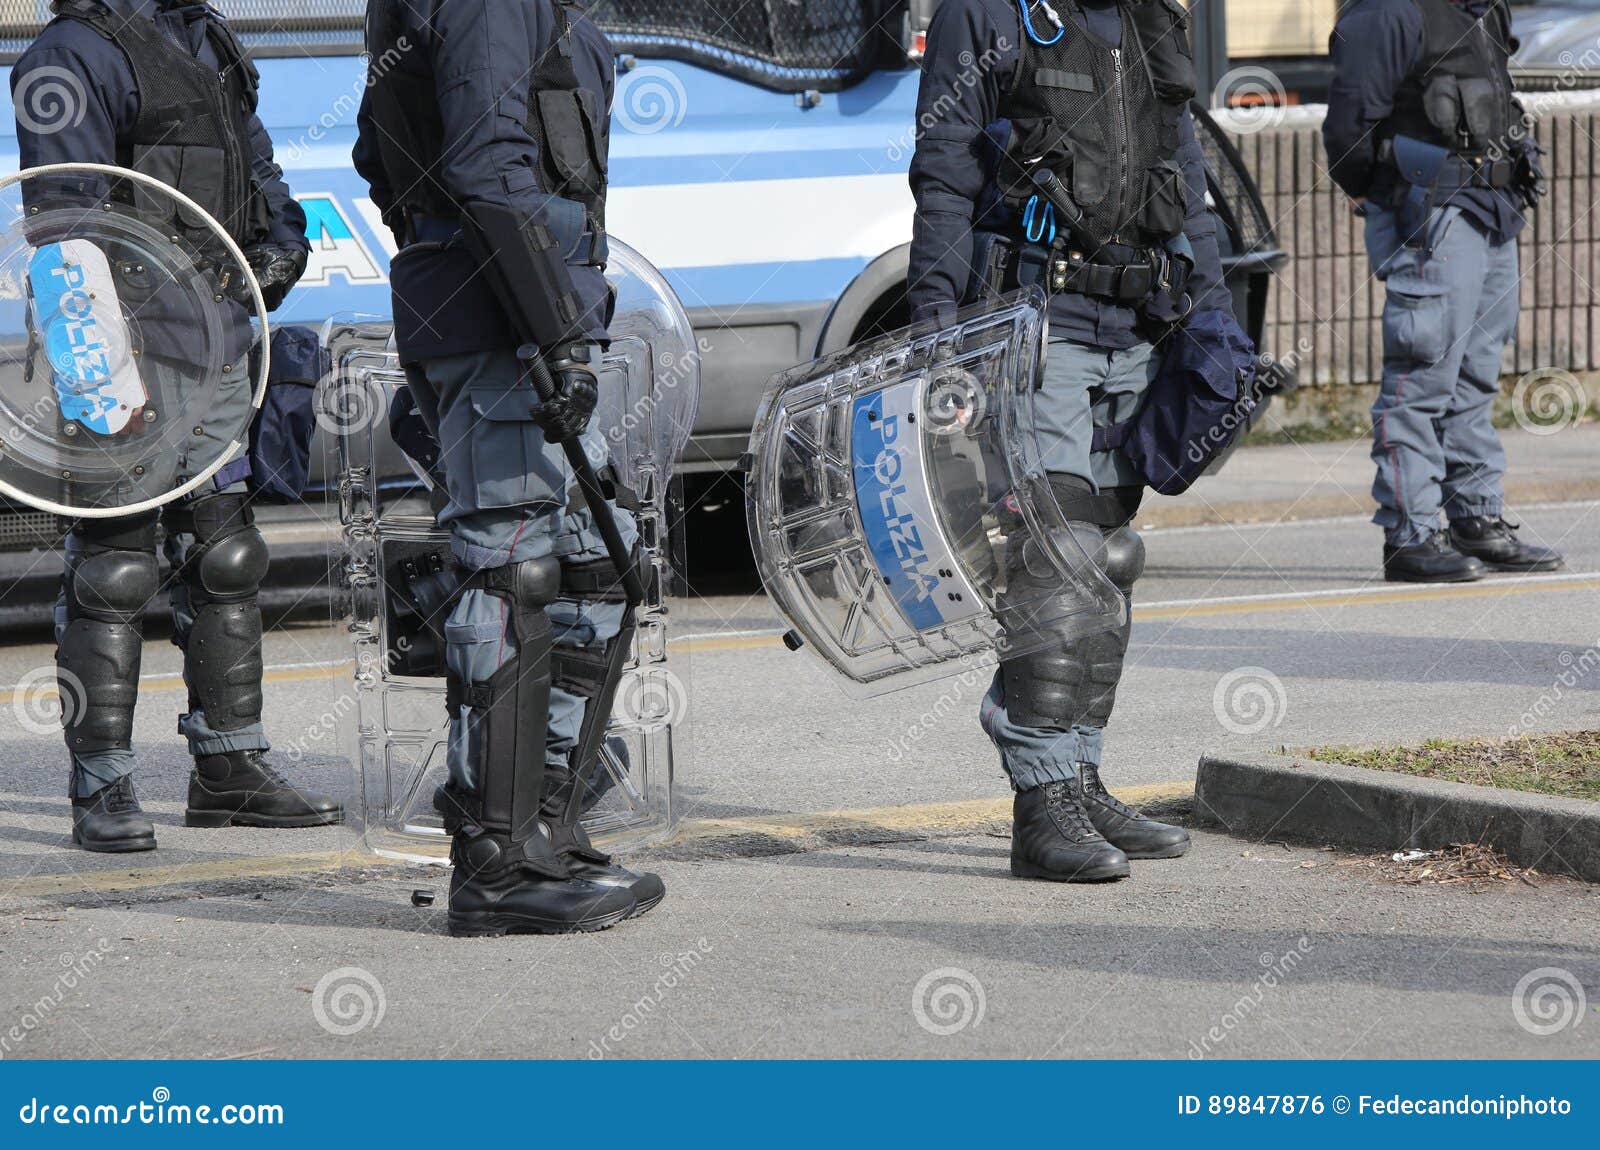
{"type": "Point", "coordinates": [396, 732]}
{"type": "Point", "coordinates": [899, 511]}
{"type": "Point", "coordinates": [132, 342]}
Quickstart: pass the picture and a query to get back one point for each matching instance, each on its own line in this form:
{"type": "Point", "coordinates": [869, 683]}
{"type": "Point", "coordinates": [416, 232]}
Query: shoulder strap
{"type": "Point", "coordinates": [94, 15]}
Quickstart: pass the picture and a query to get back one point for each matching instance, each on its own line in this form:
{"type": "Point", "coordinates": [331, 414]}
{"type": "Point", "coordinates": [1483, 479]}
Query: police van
{"type": "Point", "coordinates": [759, 158]}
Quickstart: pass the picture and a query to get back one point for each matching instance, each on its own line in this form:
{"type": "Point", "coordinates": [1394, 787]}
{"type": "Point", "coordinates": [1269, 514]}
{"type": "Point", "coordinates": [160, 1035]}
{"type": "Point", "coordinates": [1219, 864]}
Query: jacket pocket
{"type": "Point", "coordinates": [1091, 166]}
{"type": "Point", "coordinates": [1163, 205]}
{"type": "Point", "coordinates": [571, 138]}
{"type": "Point", "coordinates": [201, 181]}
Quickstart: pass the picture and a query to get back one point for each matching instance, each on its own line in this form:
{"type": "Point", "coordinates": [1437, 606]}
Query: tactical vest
{"type": "Point", "coordinates": [567, 121]}
{"type": "Point", "coordinates": [1459, 95]}
{"type": "Point", "coordinates": [193, 128]}
{"type": "Point", "coordinates": [1105, 120]}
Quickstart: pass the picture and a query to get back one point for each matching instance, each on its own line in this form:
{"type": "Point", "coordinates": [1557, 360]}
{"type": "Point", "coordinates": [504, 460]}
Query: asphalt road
{"type": "Point", "coordinates": [806, 940]}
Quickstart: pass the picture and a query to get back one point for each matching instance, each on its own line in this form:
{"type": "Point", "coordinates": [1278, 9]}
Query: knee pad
{"type": "Point", "coordinates": [534, 584]}
{"type": "Point", "coordinates": [1124, 557]}
{"type": "Point", "coordinates": [115, 586]}
{"type": "Point", "coordinates": [1075, 683]}
{"type": "Point", "coordinates": [231, 569]}
{"type": "Point", "coordinates": [230, 557]}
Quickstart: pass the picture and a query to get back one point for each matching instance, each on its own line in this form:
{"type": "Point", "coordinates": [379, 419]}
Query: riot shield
{"type": "Point", "coordinates": [132, 342]}
{"type": "Point", "coordinates": [895, 488]}
{"type": "Point", "coordinates": [631, 753]}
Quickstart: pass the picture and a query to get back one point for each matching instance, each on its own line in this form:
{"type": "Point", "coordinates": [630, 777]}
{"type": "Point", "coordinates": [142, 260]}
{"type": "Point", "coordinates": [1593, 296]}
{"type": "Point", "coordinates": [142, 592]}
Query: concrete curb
{"type": "Point", "coordinates": [1275, 797]}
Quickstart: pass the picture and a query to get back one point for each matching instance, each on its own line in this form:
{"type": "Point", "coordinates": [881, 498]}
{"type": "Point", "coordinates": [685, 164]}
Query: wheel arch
{"type": "Point", "coordinates": [873, 286]}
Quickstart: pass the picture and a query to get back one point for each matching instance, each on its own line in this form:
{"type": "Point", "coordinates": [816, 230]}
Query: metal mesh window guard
{"type": "Point", "coordinates": [824, 44]}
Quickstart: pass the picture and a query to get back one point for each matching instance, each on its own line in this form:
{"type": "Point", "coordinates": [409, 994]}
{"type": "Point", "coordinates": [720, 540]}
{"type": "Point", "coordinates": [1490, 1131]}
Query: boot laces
{"type": "Point", "coordinates": [266, 770]}
{"type": "Point", "coordinates": [1067, 811]}
{"type": "Point", "coordinates": [119, 797]}
{"type": "Point", "coordinates": [1093, 788]}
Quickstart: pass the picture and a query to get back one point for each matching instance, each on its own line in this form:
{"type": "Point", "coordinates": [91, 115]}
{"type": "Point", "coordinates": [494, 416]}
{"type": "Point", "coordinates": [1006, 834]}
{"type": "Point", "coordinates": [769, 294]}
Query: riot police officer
{"type": "Point", "coordinates": [1057, 134]}
{"type": "Point", "coordinates": [1425, 134]}
{"type": "Point", "coordinates": [484, 137]}
{"type": "Point", "coordinates": [165, 88]}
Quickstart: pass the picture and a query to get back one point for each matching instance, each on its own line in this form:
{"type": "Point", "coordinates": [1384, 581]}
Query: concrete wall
{"type": "Point", "coordinates": [1325, 308]}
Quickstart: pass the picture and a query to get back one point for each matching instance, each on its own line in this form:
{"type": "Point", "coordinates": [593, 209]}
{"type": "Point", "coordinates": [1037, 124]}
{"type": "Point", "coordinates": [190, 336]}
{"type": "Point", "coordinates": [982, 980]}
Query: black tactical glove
{"type": "Point", "coordinates": [566, 414]}
{"type": "Point", "coordinates": [278, 267]}
{"type": "Point", "coordinates": [1530, 183]}
{"type": "Point", "coordinates": [410, 431]}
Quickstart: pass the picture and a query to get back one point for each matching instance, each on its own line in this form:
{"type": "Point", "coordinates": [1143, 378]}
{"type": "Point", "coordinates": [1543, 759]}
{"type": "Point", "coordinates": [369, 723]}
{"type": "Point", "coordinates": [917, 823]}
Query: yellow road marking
{"type": "Point", "coordinates": [178, 874]}
{"type": "Point", "coordinates": [969, 815]}
{"type": "Point", "coordinates": [929, 817]}
{"type": "Point", "coordinates": [731, 643]}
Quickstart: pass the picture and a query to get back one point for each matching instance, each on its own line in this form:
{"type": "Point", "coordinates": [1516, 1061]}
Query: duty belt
{"type": "Point", "coordinates": [1476, 172]}
{"type": "Point", "coordinates": [1422, 164]}
{"type": "Point", "coordinates": [1124, 283]}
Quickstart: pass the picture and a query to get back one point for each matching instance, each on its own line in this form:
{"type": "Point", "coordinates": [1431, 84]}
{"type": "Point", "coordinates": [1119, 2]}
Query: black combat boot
{"type": "Point", "coordinates": [1053, 838]}
{"type": "Point", "coordinates": [111, 821]}
{"type": "Point", "coordinates": [503, 886]}
{"type": "Point", "coordinates": [511, 876]}
{"type": "Point", "coordinates": [1431, 561]}
{"type": "Point", "coordinates": [1125, 828]}
{"type": "Point", "coordinates": [1495, 542]}
{"type": "Point", "coordinates": [492, 903]}
{"type": "Point", "coordinates": [583, 859]}
{"type": "Point", "coordinates": [242, 789]}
